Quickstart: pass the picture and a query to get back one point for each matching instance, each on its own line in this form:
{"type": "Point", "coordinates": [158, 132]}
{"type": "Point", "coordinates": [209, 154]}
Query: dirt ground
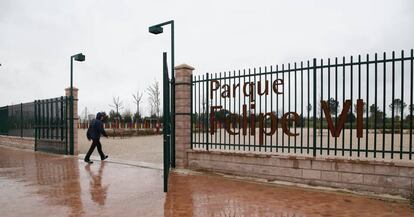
{"type": "Point", "coordinates": [143, 148]}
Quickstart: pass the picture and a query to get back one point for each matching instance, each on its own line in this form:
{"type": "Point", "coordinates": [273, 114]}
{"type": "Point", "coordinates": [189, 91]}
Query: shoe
{"type": "Point", "coordinates": [89, 161]}
{"type": "Point", "coordinates": [106, 156]}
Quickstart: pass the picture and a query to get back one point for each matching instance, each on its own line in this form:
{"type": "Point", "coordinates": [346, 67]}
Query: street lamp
{"type": "Point", "coordinates": [80, 58]}
{"type": "Point", "coordinates": [158, 29]}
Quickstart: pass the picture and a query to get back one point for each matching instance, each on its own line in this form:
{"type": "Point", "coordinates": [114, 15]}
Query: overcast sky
{"type": "Point", "coordinates": [38, 37]}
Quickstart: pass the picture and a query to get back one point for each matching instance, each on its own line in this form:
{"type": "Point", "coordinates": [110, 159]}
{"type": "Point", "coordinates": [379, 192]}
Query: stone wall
{"type": "Point", "coordinates": [372, 176]}
{"type": "Point", "coordinates": [17, 142]}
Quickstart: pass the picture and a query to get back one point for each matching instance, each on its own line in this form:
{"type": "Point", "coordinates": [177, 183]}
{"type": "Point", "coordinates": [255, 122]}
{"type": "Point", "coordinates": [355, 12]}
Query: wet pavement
{"type": "Point", "coordinates": [36, 184]}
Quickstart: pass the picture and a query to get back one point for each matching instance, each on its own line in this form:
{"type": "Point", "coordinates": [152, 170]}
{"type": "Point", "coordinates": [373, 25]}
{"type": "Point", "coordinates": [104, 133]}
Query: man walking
{"type": "Point", "coordinates": [94, 133]}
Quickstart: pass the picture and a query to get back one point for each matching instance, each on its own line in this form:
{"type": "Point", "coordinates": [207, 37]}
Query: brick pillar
{"type": "Point", "coordinates": [75, 119]}
{"type": "Point", "coordinates": [183, 74]}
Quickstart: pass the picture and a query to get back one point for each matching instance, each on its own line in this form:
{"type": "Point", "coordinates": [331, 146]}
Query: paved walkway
{"type": "Point", "coordinates": [36, 184]}
{"type": "Point", "coordinates": [137, 148]}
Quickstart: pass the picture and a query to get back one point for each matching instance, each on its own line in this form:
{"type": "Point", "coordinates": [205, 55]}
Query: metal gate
{"type": "Point", "coordinates": [51, 125]}
{"type": "Point", "coordinates": [166, 122]}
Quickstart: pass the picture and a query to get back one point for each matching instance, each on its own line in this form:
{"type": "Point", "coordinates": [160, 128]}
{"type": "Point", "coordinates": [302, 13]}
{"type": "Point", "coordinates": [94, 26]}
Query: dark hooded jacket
{"type": "Point", "coordinates": [96, 128]}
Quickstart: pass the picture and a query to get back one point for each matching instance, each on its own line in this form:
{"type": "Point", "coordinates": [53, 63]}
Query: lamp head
{"type": "Point", "coordinates": [79, 57]}
{"type": "Point", "coordinates": [155, 29]}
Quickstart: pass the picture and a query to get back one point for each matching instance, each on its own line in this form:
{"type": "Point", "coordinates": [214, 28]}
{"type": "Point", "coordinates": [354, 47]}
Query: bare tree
{"type": "Point", "coordinates": [309, 108]}
{"type": "Point", "coordinates": [137, 100]}
{"type": "Point", "coordinates": [117, 104]}
{"type": "Point", "coordinates": [154, 98]}
{"type": "Point", "coordinates": [85, 114]}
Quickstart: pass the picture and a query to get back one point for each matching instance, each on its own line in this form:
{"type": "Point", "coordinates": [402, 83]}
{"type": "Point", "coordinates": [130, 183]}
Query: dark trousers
{"type": "Point", "coordinates": [97, 144]}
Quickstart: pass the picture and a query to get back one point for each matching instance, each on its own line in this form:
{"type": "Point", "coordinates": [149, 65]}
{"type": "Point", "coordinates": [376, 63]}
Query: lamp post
{"type": "Point", "coordinates": [80, 58]}
{"type": "Point", "coordinates": [157, 29]}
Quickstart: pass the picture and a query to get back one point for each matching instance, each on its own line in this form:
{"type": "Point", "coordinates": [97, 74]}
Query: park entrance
{"type": "Point", "coordinates": [342, 122]}
{"type": "Point", "coordinates": [357, 107]}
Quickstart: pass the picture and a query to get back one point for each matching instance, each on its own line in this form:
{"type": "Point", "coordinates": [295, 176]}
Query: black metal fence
{"type": "Point", "coordinates": [45, 120]}
{"type": "Point", "coordinates": [51, 123]}
{"type": "Point", "coordinates": [353, 107]}
{"type": "Point", "coordinates": [4, 120]}
{"type": "Point", "coordinates": [17, 120]}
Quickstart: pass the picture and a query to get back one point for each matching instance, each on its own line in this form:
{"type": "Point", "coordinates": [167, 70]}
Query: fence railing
{"type": "Point", "coordinates": [17, 120]}
{"type": "Point", "coordinates": [51, 125]}
{"type": "Point", "coordinates": [51, 116]}
{"type": "Point", "coordinates": [353, 107]}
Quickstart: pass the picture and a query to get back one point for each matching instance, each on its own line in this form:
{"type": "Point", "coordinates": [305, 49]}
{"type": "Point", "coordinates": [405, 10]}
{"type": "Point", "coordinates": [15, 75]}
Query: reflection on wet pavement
{"type": "Point", "coordinates": [98, 192]}
{"type": "Point", "coordinates": [39, 184]}
{"type": "Point", "coordinates": [216, 196]}
{"type": "Point", "coordinates": [36, 184]}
